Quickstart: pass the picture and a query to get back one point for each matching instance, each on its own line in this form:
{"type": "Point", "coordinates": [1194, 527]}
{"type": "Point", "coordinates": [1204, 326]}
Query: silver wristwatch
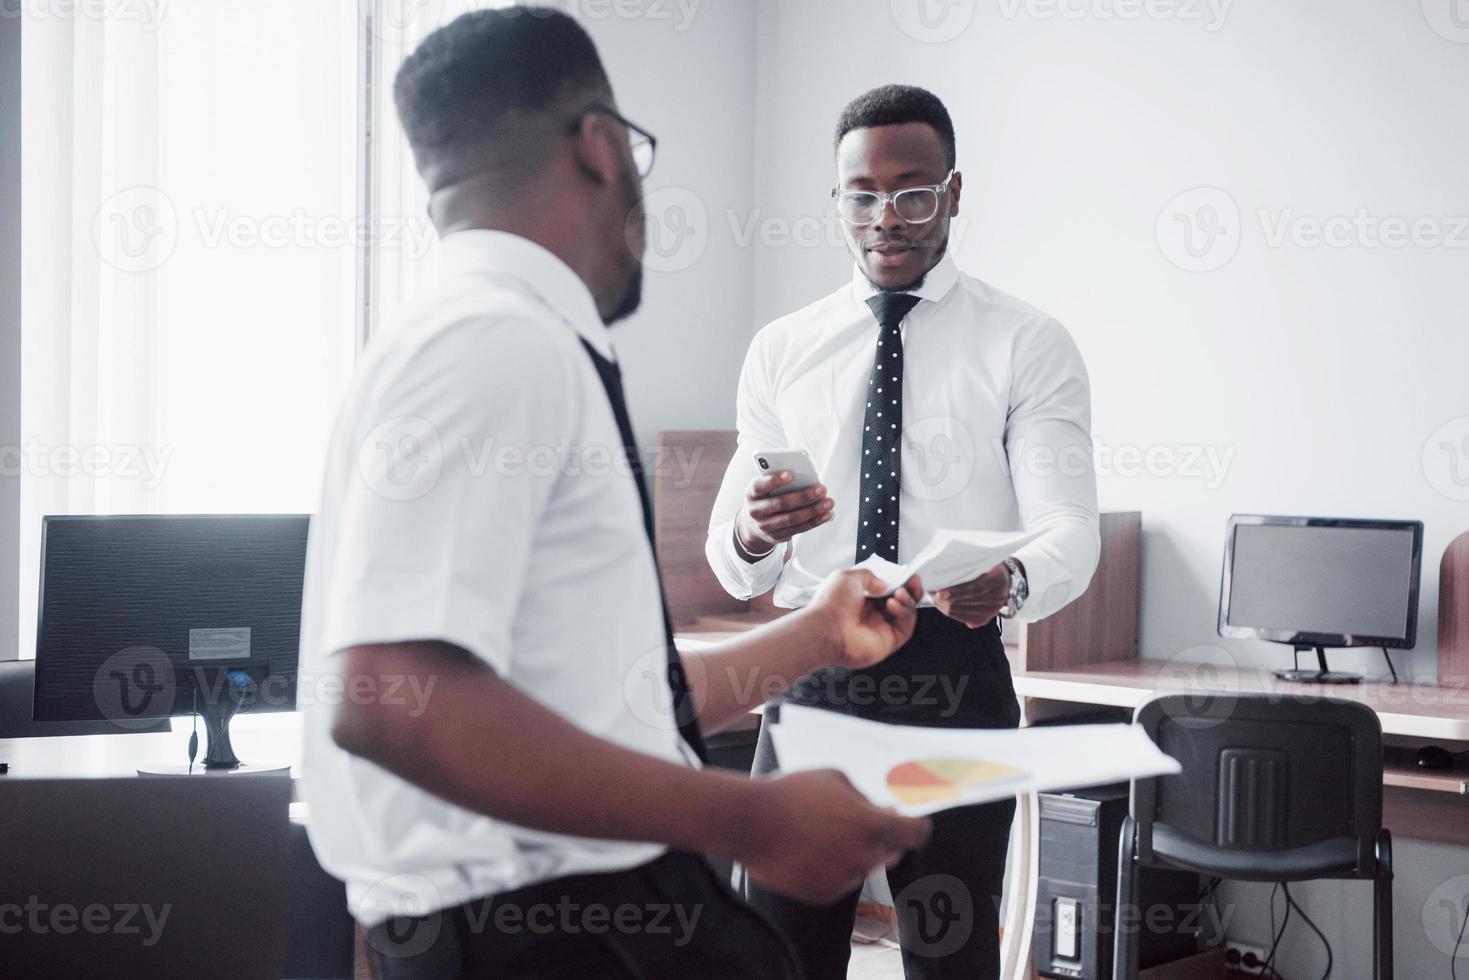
{"type": "Point", "coordinates": [1019, 589]}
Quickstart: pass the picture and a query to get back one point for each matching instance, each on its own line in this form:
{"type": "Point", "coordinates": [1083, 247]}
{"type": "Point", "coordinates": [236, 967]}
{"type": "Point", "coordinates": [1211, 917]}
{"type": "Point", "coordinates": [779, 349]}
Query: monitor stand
{"type": "Point", "coordinates": [223, 694]}
{"type": "Point", "coordinates": [1320, 676]}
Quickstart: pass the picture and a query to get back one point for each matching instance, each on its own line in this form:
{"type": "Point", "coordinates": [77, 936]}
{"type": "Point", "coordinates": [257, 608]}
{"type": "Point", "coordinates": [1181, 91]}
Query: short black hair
{"type": "Point", "coordinates": [891, 105]}
{"type": "Point", "coordinates": [457, 86]}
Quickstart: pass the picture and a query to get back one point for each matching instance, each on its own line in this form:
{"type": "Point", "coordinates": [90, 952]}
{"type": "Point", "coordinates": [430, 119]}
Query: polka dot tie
{"type": "Point", "coordinates": [882, 432]}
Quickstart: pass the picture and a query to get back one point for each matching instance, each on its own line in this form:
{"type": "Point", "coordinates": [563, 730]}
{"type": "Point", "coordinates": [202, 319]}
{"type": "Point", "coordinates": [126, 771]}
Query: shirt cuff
{"type": "Point", "coordinates": [741, 579]}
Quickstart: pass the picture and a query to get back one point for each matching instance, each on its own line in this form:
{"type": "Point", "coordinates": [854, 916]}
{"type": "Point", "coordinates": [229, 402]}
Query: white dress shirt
{"type": "Point", "coordinates": [996, 434]}
{"type": "Point", "coordinates": [476, 493]}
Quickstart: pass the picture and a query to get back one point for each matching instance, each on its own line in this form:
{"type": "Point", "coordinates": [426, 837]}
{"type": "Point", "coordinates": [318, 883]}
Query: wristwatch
{"type": "Point", "coordinates": [1019, 589]}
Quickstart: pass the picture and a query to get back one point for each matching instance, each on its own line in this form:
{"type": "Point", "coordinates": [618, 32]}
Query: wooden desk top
{"type": "Point", "coordinates": [1421, 711]}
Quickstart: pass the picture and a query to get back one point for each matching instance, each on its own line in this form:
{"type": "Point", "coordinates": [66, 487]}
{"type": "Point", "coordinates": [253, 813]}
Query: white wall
{"type": "Point", "coordinates": [683, 71]}
{"type": "Point", "coordinates": [9, 326]}
{"type": "Point", "coordinates": [1321, 373]}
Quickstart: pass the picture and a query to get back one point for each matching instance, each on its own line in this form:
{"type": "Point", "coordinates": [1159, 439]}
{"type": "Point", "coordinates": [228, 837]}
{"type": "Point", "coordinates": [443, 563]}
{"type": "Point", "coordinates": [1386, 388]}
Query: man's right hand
{"type": "Point", "coordinates": [770, 518]}
{"type": "Point", "coordinates": [820, 860]}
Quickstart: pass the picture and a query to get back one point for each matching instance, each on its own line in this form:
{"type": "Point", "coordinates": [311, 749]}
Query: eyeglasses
{"type": "Point", "coordinates": [915, 205]}
{"type": "Point", "coordinates": [644, 144]}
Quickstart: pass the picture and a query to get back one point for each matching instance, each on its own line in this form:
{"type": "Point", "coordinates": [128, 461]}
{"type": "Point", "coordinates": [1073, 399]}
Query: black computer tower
{"type": "Point", "coordinates": [1077, 892]}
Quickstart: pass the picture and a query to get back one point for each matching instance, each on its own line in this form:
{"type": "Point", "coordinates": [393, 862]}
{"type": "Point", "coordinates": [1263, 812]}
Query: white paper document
{"type": "Point", "coordinates": [951, 558]}
{"type": "Point", "coordinates": [924, 770]}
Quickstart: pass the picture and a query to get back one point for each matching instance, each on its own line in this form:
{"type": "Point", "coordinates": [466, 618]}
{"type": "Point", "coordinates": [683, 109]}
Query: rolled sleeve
{"type": "Point", "coordinates": [1048, 445]}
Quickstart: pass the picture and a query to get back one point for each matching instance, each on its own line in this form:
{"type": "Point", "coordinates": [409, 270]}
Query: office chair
{"type": "Point", "coordinates": [17, 689]}
{"type": "Point", "coordinates": [1272, 789]}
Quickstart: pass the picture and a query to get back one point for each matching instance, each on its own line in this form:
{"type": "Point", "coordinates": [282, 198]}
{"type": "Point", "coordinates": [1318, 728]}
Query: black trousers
{"type": "Point", "coordinates": [670, 919]}
{"type": "Point", "coordinates": [947, 893]}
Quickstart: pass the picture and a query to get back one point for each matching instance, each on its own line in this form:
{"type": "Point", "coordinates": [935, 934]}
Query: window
{"type": "Point", "coordinates": [195, 247]}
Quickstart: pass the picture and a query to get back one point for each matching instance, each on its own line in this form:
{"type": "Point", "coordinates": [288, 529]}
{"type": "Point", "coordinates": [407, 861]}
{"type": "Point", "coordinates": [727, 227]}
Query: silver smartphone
{"type": "Point", "coordinates": [798, 461]}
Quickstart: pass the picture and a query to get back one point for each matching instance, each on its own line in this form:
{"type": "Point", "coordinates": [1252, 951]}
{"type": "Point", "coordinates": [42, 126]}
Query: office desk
{"type": "Point", "coordinates": [1428, 804]}
{"type": "Point", "coordinates": [266, 740]}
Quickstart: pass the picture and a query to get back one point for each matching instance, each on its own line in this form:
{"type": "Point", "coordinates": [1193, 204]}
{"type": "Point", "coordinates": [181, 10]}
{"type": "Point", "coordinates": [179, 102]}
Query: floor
{"type": "Point", "coordinates": [875, 954]}
{"type": "Point", "coordinates": [875, 962]}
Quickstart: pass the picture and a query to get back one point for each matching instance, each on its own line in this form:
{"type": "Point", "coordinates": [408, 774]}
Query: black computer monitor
{"type": "Point", "coordinates": [146, 617]}
{"type": "Point", "coordinates": [1318, 582]}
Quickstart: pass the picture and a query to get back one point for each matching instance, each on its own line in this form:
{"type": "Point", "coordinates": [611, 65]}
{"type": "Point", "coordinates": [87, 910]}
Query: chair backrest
{"type": "Point", "coordinates": [1268, 783]}
{"type": "Point", "coordinates": [17, 690]}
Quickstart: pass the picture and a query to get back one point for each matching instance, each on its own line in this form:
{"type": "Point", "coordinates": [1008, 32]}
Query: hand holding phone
{"type": "Point", "coordinates": [785, 499]}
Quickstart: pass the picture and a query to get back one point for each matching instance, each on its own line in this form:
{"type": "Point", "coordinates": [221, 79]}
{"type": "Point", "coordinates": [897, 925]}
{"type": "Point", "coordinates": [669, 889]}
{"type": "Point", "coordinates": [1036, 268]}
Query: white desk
{"type": "Point", "coordinates": [262, 739]}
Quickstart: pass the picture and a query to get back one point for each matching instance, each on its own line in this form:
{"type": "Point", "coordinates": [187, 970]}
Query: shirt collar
{"type": "Point", "coordinates": [939, 282]}
{"type": "Point", "coordinates": [537, 270]}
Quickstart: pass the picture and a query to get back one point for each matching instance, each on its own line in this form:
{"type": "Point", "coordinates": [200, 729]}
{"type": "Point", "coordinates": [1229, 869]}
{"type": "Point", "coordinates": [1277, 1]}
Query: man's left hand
{"type": "Point", "coordinates": [977, 601]}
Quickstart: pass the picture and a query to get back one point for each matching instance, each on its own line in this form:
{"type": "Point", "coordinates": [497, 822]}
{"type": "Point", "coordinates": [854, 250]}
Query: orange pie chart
{"type": "Point", "coordinates": [932, 780]}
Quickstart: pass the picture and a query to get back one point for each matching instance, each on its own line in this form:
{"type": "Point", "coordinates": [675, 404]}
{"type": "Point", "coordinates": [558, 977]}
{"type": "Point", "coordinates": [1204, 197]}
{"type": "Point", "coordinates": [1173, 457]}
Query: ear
{"type": "Point", "coordinates": [956, 190]}
{"type": "Point", "coordinates": [596, 149]}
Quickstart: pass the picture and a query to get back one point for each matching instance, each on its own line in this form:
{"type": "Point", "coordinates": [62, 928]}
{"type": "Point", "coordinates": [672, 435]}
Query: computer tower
{"type": "Point", "coordinates": [1077, 892]}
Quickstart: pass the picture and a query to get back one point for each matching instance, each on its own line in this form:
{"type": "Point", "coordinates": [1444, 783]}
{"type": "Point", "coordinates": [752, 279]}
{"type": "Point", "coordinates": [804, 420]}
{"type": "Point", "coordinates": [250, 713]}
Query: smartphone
{"type": "Point", "coordinates": [798, 461]}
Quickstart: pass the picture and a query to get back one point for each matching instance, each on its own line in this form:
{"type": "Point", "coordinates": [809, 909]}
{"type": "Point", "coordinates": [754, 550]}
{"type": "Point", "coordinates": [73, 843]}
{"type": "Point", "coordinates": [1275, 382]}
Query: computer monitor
{"type": "Point", "coordinates": [1318, 582]}
{"type": "Point", "coordinates": [146, 617]}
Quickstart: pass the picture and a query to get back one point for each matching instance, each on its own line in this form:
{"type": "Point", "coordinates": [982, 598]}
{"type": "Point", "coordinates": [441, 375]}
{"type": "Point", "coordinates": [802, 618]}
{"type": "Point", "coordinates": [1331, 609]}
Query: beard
{"type": "Point", "coordinates": [632, 297]}
{"type": "Point", "coordinates": [939, 251]}
{"type": "Point", "coordinates": [632, 293]}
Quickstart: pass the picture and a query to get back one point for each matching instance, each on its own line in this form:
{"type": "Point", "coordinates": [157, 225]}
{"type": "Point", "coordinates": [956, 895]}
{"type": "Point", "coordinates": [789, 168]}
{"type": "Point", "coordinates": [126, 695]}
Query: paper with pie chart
{"type": "Point", "coordinates": [923, 781]}
{"type": "Point", "coordinates": [924, 770]}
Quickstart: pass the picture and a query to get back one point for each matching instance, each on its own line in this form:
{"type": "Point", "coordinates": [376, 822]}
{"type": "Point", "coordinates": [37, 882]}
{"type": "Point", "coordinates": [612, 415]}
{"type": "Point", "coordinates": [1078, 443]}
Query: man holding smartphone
{"type": "Point", "coordinates": [927, 399]}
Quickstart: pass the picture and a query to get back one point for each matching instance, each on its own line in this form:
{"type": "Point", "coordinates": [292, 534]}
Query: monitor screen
{"type": "Point", "coordinates": [138, 612]}
{"type": "Point", "coordinates": [1321, 581]}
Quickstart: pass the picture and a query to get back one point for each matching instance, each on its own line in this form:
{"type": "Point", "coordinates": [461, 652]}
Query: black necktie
{"type": "Point", "coordinates": [684, 711]}
{"type": "Point", "coordinates": [882, 432]}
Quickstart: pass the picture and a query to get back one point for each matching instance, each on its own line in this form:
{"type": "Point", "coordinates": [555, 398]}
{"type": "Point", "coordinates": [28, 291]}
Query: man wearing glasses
{"type": "Point", "coordinates": [539, 811]}
{"type": "Point", "coordinates": [927, 399]}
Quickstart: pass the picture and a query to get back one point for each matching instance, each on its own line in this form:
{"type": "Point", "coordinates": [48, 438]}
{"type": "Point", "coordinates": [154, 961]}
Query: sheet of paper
{"type": "Point", "coordinates": [951, 558]}
{"type": "Point", "coordinates": [925, 770]}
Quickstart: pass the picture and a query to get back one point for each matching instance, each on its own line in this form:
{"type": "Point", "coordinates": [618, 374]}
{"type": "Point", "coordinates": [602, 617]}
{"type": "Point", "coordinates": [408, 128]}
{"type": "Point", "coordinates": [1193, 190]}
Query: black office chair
{"type": "Point", "coordinates": [1272, 789]}
{"type": "Point", "coordinates": [17, 687]}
